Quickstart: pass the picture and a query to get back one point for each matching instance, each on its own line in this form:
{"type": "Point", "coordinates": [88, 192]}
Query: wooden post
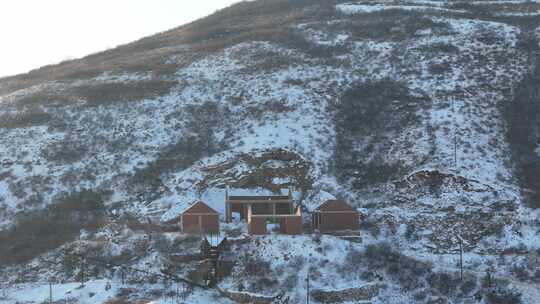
{"type": "Point", "coordinates": [227, 211]}
{"type": "Point", "coordinates": [182, 222]}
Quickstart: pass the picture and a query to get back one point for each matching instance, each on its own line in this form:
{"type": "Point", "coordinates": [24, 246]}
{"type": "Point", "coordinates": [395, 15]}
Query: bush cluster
{"type": "Point", "coordinates": [412, 275]}
{"type": "Point", "coordinates": [374, 109]}
{"type": "Point", "coordinates": [112, 92]}
{"type": "Point", "coordinates": [41, 231]}
{"type": "Point", "coordinates": [34, 117]}
{"type": "Point", "coordinates": [198, 142]}
{"type": "Point", "coordinates": [522, 117]}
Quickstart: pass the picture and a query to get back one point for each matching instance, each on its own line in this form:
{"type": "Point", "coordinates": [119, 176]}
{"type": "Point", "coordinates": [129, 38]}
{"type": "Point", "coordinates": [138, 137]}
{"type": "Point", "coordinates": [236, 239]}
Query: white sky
{"type": "Point", "coordinates": [34, 33]}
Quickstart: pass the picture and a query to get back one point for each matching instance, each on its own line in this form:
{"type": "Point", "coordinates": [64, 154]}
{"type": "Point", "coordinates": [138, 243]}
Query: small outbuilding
{"type": "Point", "coordinates": [200, 218]}
{"type": "Point", "coordinates": [334, 216]}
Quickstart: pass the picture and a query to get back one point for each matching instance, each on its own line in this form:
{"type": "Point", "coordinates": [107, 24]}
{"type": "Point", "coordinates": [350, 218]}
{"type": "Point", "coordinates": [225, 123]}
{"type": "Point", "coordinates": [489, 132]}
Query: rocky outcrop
{"type": "Point", "coordinates": [364, 293]}
{"type": "Point", "coordinates": [245, 297]}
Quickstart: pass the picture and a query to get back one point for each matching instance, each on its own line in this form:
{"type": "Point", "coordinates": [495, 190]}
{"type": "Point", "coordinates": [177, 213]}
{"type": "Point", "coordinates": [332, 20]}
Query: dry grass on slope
{"type": "Point", "coordinates": [245, 21]}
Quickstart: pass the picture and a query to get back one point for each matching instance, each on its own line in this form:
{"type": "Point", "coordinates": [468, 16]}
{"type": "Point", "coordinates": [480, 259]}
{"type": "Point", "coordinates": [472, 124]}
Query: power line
{"type": "Point", "coordinates": [163, 275]}
{"type": "Point", "coordinates": [186, 286]}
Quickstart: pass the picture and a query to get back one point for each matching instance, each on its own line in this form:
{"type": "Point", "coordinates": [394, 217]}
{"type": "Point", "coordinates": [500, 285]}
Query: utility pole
{"type": "Point", "coordinates": [82, 271]}
{"type": "Point", "coordinates": [50, 291]}
{"type": "Point", "coordinates": [460, 240]}
{"type": "Point", "coordinates": [455, 149]}
{"type": "Point", "coordinates": [455, 134]}
{"type": "Point", "coordinates": [307, 289]}
{"type": "Point", "coordinates": [399, 253]}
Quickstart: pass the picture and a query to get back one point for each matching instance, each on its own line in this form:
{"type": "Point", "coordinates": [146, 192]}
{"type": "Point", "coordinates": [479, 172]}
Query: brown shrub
{"type": "Point", "coordinates": [245, 21]}
{"type": "Point", "coordinates": [107, 93]}
{"type": "Point", "coordinates": [35, 117]}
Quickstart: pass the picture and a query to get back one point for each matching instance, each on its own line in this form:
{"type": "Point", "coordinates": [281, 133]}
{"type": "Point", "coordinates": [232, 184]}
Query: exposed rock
{"type": "Point", "coordinates": [248, 298]}
{"type": "Point", "coordinates": [363, 293]}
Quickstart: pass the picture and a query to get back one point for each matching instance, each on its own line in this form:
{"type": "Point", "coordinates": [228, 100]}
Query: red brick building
{"type": "Point", "coordinates": [262, 204]}
{"type": "Point", "coordinates": [335, 215]}
{"type": "Point", "coordinates": [200, 218]}
{"type": "Point", "coordinates": [259, 211]}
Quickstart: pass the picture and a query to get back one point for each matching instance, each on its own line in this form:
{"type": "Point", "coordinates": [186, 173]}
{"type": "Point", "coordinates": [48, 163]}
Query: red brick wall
{"type": "Point", "coordinates": [210, 223]}
{"type": "Point", "coordinates": [338, 221]}
{"type": "Point", "coordinates": [190, 224]}
{"type": "Point", "coordinates": [291, 225]}
{"type": "Point", "coordinates": [257, 226]}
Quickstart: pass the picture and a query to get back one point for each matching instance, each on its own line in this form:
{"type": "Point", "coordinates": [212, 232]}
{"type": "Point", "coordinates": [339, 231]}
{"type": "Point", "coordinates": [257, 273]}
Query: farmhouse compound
{"type": "Point", "coordinates": [266, 213]}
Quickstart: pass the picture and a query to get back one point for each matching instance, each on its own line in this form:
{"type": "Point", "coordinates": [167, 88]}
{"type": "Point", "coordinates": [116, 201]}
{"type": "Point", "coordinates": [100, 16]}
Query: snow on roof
{"type": "Point", "coordinates": [256, 192]}
{"type": "Point", "coordinates": [199, 207]}
{"type": "Point", "coordinates": [335, 205]}
{"type": "Point", "coordinates": [316, 198]}
{"type": "Point", "coordinates": [259, 197]}
{"type": "Point", "coordinates": [176, 210]}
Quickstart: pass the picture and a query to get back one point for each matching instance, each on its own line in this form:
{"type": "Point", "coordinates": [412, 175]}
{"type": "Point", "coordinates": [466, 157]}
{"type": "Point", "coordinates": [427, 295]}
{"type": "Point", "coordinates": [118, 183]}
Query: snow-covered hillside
{"type": "Point", "coordinates": [399, 107]}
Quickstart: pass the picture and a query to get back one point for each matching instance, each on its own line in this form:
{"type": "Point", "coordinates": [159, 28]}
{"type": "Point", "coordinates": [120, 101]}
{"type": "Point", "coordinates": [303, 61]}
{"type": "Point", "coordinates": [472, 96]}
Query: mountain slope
{"type": "Point", "coordinates": [407, 109]}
